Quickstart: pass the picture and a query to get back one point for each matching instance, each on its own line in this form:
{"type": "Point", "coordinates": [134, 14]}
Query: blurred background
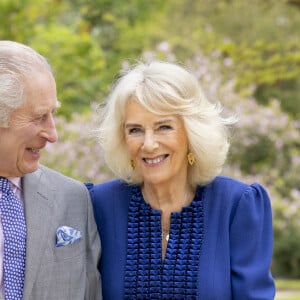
{"type": "Point", "coordinates": [246, 54]}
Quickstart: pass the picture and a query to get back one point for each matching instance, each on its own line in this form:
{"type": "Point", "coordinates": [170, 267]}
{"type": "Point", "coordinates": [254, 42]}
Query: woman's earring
{"type": "Point", "coordinates": [191, 158]}
{"type": "Point", "coordinates": [132, 164]}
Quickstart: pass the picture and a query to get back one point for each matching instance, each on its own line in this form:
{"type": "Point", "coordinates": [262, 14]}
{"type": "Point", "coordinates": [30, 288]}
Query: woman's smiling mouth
{"type": "Point", "coordinates": [156, 160]}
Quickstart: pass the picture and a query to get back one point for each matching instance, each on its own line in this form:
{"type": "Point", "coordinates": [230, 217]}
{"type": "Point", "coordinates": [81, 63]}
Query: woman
{"type": "Point", "coordinates": [171, 228]}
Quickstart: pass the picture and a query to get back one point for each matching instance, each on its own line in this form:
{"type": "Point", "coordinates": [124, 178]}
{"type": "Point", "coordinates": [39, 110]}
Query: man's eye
{"type": "Point", "coordinates": [41, 118]}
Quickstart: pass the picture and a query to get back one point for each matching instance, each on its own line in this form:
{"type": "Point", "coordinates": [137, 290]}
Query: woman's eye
{"type": "Point", "coordinates": [134, 130]}
{"type": "Point", "coordinates": [165, 127]}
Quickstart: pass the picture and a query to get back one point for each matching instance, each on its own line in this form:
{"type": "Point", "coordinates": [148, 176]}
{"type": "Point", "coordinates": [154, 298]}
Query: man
{"type": "Point", "coordinates": [61, 244]}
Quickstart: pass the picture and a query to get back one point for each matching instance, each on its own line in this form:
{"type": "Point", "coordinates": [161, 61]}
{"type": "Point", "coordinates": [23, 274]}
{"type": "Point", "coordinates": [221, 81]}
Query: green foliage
{"type": "Point", "coordinates": [285, 90]}
{"type": "Point", "coordinates": [57, 33]}
{"type": "Point", "coordinates": [273, 68]}
{"type": "Point", "coordinates": [285, 284]}
{"type": "Point", "coordinates": [10, 13]}
{"type": "Point", "coordinates": [77, 68]}
{"type": "Point", "coordinates": [287, 248]}
{"type": "Point", "coordinates": [122, 29]}
{"type": "Point", "coordinates": [257, 41]}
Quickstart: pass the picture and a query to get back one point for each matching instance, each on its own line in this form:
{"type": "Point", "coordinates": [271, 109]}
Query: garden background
{"type": "Point", "coordinates": [246, 54]}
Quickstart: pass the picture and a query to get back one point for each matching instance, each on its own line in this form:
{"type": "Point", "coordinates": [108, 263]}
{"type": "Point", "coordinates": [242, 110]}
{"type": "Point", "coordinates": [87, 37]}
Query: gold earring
{"type": "Point", "coordinates": [132, 164]}
{"type": "Point", "coordinates": [191, 158]}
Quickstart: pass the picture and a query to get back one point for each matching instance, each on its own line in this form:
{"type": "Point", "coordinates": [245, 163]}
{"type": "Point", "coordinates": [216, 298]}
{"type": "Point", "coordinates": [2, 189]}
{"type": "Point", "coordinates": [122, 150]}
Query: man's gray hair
{"type": "Point", "coordinates": [17, 63]}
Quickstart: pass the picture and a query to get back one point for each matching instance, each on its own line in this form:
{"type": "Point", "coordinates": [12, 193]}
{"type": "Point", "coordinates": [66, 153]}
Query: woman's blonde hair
{"type": "Point", "coordinates": [165, 88]}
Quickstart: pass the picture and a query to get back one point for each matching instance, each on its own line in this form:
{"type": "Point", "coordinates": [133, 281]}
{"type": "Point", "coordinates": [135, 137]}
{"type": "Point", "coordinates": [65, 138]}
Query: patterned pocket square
{"type": "Point", "coordinates": [67, 235]}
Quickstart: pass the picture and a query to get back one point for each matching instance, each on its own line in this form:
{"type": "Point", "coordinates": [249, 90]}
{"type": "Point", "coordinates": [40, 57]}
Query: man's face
{"type": "Point", "coordinates": [31, 126]}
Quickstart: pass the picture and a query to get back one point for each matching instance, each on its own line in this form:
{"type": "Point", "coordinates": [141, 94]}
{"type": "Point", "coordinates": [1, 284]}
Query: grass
{"type": "Point", "coordinates": [287, 289]}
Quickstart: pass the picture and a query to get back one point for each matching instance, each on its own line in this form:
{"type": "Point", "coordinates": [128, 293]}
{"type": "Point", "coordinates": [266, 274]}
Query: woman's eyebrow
{"type": "Point", "coordinates": [159, 122]}
{"type": "Point", "coordinates": [163, 121]}
{"type": "Point", "coordinates": [127, 125]}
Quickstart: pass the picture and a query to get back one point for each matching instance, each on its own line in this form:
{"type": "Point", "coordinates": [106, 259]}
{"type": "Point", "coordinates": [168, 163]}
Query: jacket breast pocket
{"type": "Point", "coordinates": [68, 251]}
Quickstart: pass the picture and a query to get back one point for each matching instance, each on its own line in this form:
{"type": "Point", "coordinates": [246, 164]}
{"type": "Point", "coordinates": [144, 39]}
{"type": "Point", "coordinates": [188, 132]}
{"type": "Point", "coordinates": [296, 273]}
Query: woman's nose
{"type": "Point", "coordinates": [150, 141]}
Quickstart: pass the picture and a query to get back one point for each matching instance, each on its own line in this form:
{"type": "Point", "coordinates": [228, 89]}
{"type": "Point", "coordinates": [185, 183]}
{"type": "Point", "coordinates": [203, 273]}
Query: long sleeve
{"type": "Point", "coordinates": [251, 243]}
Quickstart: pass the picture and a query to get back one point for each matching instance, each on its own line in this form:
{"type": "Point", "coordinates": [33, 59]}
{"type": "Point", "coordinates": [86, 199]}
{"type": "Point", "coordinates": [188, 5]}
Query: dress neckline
{"type": "Point", "coordinates": [146, 274]}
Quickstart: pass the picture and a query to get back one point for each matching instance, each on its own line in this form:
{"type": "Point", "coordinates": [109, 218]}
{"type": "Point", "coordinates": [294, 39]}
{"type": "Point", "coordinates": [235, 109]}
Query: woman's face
{"type": "Point", "coordinates": [158, 145]}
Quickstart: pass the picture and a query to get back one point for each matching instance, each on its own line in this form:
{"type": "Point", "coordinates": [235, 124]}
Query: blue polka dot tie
{"type": "Point", "coordinates": [14, 231]}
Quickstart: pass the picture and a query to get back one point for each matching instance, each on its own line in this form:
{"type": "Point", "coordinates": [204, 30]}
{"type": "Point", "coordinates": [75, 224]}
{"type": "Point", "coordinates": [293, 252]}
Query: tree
{"type": "Point", "coordinates": [58, 33]}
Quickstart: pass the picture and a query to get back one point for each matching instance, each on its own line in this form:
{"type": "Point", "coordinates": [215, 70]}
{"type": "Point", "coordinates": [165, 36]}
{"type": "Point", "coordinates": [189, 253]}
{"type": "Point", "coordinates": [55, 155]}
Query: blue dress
{"type": "Point", "coordinates": [220, 246]}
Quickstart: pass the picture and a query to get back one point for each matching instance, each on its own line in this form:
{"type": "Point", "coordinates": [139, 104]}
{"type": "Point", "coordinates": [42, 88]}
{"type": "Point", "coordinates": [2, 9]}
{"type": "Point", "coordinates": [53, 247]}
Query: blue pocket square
{"type": "Point", "coordinates": [67, 235]}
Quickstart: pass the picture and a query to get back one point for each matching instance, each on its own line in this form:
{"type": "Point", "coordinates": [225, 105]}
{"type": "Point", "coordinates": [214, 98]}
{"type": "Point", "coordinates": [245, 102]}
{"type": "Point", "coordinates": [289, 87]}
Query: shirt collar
{"type": "Point", "coordinates": [16, 182]}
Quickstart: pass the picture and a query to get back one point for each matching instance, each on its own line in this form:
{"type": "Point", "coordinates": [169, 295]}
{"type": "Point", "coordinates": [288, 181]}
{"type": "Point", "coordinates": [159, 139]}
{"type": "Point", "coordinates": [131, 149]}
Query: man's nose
{"type": "Point", "coordinates": [49, 132]}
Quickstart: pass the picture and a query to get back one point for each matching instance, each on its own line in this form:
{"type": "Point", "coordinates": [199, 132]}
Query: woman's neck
{"type": "Point", "coordinates": [168, 198]}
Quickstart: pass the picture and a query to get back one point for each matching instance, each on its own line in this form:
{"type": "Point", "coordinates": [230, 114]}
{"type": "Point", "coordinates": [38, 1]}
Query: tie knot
{"type": "Point", "coordinates": [4, 185]}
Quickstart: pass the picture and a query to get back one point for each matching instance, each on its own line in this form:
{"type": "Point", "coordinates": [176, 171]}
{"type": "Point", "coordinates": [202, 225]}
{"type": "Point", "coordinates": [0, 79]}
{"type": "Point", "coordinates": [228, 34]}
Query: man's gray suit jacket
{"type": "Point", "coordinates": [69, 272]}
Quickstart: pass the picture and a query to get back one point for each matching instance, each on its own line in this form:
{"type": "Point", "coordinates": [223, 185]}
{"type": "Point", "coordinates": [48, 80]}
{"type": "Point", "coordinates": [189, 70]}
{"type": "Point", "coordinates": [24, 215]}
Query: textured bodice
{"type": "Point", "coordinates": [147, 276]}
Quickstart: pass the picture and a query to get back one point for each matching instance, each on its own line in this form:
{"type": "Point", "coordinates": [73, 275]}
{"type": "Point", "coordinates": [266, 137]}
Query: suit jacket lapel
{"type": "Point", "coordinates": [38, 214]}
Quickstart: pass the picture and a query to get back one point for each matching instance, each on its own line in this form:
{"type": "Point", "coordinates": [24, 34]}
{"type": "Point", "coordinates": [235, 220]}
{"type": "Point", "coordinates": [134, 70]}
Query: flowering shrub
{"type": "Point", "coordinates": [265, 148]}
{"type": "Point", "coordinates": [77, 153]}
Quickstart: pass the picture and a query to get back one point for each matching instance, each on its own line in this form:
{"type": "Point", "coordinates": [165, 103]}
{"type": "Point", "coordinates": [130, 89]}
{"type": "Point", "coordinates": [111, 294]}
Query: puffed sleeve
{"type": "Point", "coordinates": [251, 242]}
